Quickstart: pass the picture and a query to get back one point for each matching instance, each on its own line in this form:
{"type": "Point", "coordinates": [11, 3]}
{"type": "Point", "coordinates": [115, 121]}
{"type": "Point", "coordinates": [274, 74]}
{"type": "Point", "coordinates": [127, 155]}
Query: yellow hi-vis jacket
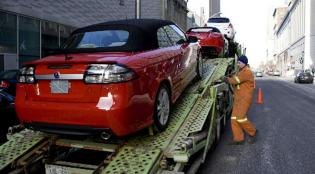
{"type": "Point", "coordinates": [243, 83]}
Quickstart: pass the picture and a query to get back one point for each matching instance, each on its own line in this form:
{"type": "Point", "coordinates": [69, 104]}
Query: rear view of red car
{"type": "Point", "coordinates": [211, 40]}
{"type": "Point", "coordinates": [111, 78]}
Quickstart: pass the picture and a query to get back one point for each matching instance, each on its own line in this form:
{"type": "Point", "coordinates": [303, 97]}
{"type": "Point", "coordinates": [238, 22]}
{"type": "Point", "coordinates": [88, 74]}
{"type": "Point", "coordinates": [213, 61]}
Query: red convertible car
{"type": "Point", "coordinates": [111, 78]}
{"type": "Point", "coordinates": [211, 40]}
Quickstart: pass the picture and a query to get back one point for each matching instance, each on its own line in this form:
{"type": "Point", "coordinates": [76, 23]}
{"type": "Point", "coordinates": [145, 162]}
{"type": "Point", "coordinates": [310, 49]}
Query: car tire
{"type": "Point", "coordinates": [199, 68]}
{"type": "Point", "coordinates": [162, 108]}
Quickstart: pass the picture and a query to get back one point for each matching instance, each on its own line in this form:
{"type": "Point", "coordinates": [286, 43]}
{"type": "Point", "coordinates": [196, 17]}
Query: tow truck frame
{"type": "Point", "coordinates": [195, 126]}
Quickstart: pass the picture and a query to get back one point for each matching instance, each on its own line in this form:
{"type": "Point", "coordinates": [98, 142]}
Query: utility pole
{"type": "Point", "coordinates": [138, 9]}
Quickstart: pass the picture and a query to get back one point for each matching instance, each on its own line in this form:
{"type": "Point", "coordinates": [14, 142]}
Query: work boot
{"type": "Point", "coordinates": [232, 142]}
{"type": "Point", "coordinates": [253, 139]}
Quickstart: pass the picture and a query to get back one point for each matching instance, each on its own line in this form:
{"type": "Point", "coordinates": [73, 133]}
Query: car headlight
{"type": "Point", "coordinates": [108, 73]}
{"type": "Point", "coordinates": [27, 75]}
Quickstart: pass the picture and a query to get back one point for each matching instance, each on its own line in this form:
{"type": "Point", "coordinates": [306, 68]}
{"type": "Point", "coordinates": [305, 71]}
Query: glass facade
{"type": "Point", "coordinates": [8, 33]}
{"type": "Point", "coordinates": [28, 38]}
{"type": "Point", "coordinates": [29, 44]}
{"type": "Point", "coordinates": [50, 37]}
{"type": "Point", "coordinates": [65, 32]}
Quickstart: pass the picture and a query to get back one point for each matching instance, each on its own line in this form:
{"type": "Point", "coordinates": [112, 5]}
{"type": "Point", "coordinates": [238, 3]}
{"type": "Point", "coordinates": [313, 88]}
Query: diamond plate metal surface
{"type": "Point", "coordinates": [106, 147]}
{"type": "Point", "coordinates": [147, 144]}
{"type": "Point", "coordinates": [17, 146]}
{"type": "Point", "coordinates": [161, 140]}
{"type": "Point", "coordinates": [208, 69]}
{"type": "Point", "coordinates": [132, 160]}
{"type": "Point", "coordinates": [219, 69]}
{"type": "Point", "coordinates": [193, 123]}
{"type": "Point", "coordinates": [198, 120]}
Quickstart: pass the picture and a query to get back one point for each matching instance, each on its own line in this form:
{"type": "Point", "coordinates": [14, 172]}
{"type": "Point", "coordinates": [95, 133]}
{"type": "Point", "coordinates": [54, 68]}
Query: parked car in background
{"type": "Point", "coordinates": [259, 74]}
{"type": "Point", "coordinates": [276, 73]}
{"type": "Point", "coordinates": [210, 39]}
{"type": "Point", "coordinates": [116, 78]}
{"type": "Point", "coordinates": [8, 80]}
{"type": "Point", "coordinates": [224, 25]}
{"type": "Point", "coordinates": [304, 77]}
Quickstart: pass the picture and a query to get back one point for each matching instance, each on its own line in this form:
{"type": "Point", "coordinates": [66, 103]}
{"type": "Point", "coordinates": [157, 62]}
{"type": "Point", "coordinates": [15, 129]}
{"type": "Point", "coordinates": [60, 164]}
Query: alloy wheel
{"type": "Point", "coordinates": [163, 107]}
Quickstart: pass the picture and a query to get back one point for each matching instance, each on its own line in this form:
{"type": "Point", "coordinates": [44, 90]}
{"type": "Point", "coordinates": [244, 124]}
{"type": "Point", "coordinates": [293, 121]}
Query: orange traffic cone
{"type": "Point", "coordinates": [260, 97]}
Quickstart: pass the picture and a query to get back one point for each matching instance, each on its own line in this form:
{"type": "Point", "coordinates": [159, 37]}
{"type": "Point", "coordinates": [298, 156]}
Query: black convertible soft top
{"type": "Point", "coordinates": [142, 35]}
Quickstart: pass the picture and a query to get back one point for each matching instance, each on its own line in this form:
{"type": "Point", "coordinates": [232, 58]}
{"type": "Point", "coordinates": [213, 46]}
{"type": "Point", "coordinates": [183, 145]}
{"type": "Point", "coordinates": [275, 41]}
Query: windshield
{"type": "Point", "coordinates": [97, 39]}
{"type": "Point", "coordinates": [218, 20]}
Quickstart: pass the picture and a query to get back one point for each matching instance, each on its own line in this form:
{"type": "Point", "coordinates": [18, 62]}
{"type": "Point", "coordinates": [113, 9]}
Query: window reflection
{"type": "Point", "coordinates": [8, 33]}
{"type": "Point", "coordinates": [49, 37]}
{"type": "Point", "coordinates": [65, 32]}
{"type": "Point", "coordinates": [22, 40]}
{"type": "Point", "coordinates": [29, 44]}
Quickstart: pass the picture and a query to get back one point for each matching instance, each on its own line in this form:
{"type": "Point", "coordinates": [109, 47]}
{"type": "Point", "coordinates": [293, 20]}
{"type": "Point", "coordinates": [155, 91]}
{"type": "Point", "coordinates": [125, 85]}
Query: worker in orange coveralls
{"type": "Point", "coordinates": [243, 84]}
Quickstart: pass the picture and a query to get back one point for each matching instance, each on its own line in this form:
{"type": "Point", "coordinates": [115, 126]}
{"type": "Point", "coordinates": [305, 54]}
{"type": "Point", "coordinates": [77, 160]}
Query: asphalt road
{"type": "Point", "coordinates": [286, 141]}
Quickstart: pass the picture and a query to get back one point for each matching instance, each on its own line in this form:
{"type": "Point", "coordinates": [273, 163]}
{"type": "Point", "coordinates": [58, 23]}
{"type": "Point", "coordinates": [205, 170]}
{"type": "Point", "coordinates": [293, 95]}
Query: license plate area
{"type": "Point", "coordinates": [59, 86]}
{"type": "Point", "coordinates": [54, 169]}
{"type": "Point", "coordinates": [59, 169]}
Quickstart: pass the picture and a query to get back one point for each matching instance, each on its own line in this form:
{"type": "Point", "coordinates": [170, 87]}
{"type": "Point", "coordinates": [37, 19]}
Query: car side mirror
{"type": "Point", "coordinates": [192, 39]}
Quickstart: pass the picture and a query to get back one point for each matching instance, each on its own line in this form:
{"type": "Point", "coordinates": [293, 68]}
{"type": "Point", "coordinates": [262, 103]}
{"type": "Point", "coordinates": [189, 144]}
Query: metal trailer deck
{"type": "Point", "coordinates": [193, 127]}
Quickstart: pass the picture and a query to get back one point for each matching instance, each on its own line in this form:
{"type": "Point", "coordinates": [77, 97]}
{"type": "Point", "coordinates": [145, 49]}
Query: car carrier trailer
{"type": "Point", "coordinates": [195, 126]}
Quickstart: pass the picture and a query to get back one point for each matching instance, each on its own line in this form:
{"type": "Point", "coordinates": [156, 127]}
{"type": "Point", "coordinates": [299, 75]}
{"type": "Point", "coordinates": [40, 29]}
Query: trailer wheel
{"type": "Point", "coordinates": [162, 108]}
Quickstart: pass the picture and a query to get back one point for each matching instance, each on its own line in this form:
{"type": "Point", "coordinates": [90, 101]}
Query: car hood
{"type": "Point", "coordinates": [81, 58]}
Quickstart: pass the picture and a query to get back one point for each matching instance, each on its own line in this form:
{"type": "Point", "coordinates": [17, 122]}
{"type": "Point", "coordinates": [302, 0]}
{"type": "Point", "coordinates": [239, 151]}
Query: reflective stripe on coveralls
{"type": "Point", "coordinates": [241, 120]}
{"type": "Point", "coordinates": [238, 82]}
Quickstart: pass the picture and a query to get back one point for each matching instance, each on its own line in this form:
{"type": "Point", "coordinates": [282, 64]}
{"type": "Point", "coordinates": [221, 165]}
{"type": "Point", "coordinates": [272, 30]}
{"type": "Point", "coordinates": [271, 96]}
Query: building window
{"type": "Point", "coordinates": [29, 43]}
{"type": "Point", "coordinates": [50, 37]}
{"type": "Point", "coordinates": [8, 33]}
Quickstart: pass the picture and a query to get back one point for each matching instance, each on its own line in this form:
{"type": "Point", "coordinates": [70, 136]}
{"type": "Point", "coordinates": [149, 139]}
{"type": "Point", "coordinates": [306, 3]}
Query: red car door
{"type": "Point", "coordinates": [174, 56]}
{"type": "Point", "coordinates": [188, 55]}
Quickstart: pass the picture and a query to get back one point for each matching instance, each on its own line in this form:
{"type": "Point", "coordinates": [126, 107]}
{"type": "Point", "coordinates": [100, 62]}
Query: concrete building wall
{"type": "Point", "coordinates": [278, 15]}
{"type": "Point", "coordinates": [310, 36]}
{"type": "Point", "coordinates": [295, 38]}
{"type": "Point", "coordinates": [80, 13]}
{"type": "Point", "coordinates": [151, 9]}
{"type": "Point", "coordinates": [175, 10]}
{"type": "Point", "coordinates": [214, 7]}
{"type": "Point", "coordinates": [193, 20]}
{"type": "Point", "coordinates": [273, 44]}
{"type": "Point", "coordinates": [76, 13]}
